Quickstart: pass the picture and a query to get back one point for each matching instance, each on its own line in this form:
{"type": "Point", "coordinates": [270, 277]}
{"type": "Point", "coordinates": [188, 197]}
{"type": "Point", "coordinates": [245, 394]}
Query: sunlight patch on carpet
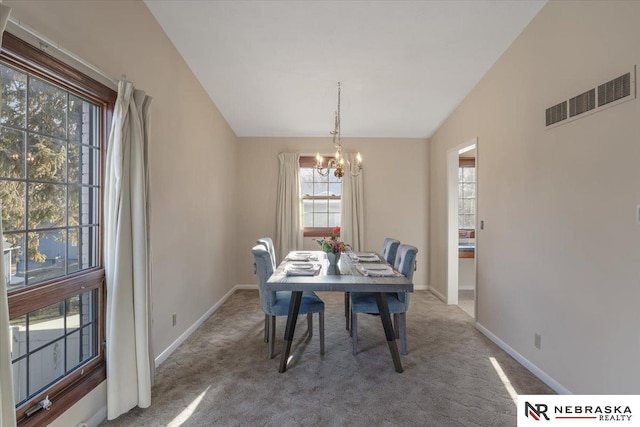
{"type": "Point", "coordinates": [188, 411]}
{"type": "Point", "coordinates": [505, 380]}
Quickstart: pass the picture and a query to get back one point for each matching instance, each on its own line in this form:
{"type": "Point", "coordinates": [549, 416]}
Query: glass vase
{"type": "Point", "coordinates": [334, 258]}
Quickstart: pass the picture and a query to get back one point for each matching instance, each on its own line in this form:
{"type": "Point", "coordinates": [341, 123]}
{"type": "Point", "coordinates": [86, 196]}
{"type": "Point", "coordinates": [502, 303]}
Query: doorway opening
{"type": "Point", "coordinates": [462, 213]}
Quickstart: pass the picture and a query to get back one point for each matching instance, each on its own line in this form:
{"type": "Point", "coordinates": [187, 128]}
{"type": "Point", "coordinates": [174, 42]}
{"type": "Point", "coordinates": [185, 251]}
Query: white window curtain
{"type": "Point", "coordinates": [130, 366]}
{"type": "Point", "coordinates": [7, 403]}
{"type": "Point", "coordinates": [288, 210]}
{"type": "Point", "coordinates": [352, 220]}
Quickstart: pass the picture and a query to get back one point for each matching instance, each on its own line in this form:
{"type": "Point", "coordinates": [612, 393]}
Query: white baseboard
{"type": "Point", "coordinates": [174, 345]}
{"type": "Point", "coordinates": [420, 287]}
{"type": "Point", "coordinates": [96, 419]}
{"type": "Point", "coordinates": [543, 376]}
{"type": "Point", "coordinates": [438, 294]}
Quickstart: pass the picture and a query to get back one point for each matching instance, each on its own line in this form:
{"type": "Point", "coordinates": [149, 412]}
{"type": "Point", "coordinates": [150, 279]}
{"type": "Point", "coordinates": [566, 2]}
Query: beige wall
{"type": "Point", "coordinates": [559, 255]}
{"type": "Point", "coordinates": [395, 192]}
{"type": "Point", "coordinates": [193, 202]}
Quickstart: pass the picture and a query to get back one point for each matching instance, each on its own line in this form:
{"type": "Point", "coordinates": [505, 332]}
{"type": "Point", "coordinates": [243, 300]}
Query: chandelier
{"type": "Point", "coordinates": [338, 162]}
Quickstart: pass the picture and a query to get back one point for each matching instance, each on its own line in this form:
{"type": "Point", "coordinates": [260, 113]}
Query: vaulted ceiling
{"type": "Point", "coordinates": [272, 67]}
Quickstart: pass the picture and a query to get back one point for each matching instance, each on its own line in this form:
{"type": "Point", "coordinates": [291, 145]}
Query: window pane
{"type": "Point", "coordinates": [83, 206]}
{"type": "Point", "coordinates": [307, 219]}
{"type": "Point", "coordinates": [47, 109]}
{"type": "Point", "coordinates": [335, 189]}
{"type": "Point", "coordinates": [321, 206]}
{"type": "Point", "coordinates": [47, 205]}
{"type": "Point", "coordinates": [12, 194]}
{"type": "Point", "coordinates": [46, 365]}
{"type": "Point", "coordinates": [89, 166]}
{"type": "Point", "coordinates": [460, 205]}
{"type": "Point", "coordinates": [45, 325]}
{"type": "Point", "coordinates": [334, 219]}
{"type": "Point", "coordinates": [14, 259]}
{"type": "Point", "coordinates": [20, 381]}
{"type": "Point", "coordinates": [320, 220]}
{"type": "Point", "coordinates": [11, 153]}
{"type": "Point", "coordinates": [469, 190]}
{"type": "Point", "coordinates": [82, 116]}
{"type": "Point", "coordinates": [18, 336]}
{"type": "Point", "coordinates": [469, 174]}
{"type": "Point", "coordinates": [334, 206]}
{"type": "Point", "coordinates": [83, 249]}
{"type": "Point", "coordinates": [14, 97]}
{"type": "Point", "coordinates": [89, 347]}
{"type": "Point", "coordinates": [46, 159]}
{"type": "Point", "coordinates": [46, 258]}
{"type": "Point", "coordinates": [88, 308]}
{"type": "Point", "coordinates": [470, 206]}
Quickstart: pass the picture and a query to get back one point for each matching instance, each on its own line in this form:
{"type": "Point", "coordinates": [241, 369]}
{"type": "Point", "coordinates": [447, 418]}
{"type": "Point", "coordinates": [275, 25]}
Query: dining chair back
{"type": "Point", "coordinates": [277, 303]}
{"type": "Point", "coordinates": [389, 249]}
{"type": "Point", "coordinates": [268, 243]}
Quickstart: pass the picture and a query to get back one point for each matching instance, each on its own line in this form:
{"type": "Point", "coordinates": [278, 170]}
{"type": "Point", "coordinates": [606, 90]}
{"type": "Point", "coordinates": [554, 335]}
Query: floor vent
{"type": "Point", "coordinates": [613, 92]}
{"type": "Point", "coordinates": [557, 113]}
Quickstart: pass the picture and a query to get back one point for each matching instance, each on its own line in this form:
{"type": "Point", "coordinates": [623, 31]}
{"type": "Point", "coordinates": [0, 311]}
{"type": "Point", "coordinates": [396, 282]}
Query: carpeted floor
{"type": "Point", "coordinates": [221, 375]}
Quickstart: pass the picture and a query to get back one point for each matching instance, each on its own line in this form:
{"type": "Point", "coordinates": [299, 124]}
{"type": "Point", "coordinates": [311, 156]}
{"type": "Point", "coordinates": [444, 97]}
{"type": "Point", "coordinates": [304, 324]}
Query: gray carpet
{"type": "Point", "coordinates": [221, 375]}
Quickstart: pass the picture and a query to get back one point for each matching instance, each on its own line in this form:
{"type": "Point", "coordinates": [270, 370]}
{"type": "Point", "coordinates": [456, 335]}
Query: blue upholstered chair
{"type": "Point", "coordinates": [365, 302]}
{"type": "Point", "coordinates": [268, 243]}
{"type": "Point", "coordinates": [277, 303]}
{"type": "Point", "coordinates": [389, 250]}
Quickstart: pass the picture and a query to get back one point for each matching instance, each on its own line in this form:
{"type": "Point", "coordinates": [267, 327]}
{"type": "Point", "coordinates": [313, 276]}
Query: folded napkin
{"type": "Point", "coordinates": [376, 270]}
{"type": "Point", "coordinates": [364, 256]}
{"type": "Point", "coordinates": [297, 257]}
{"type": "Point", "coordinates": [302, 270]}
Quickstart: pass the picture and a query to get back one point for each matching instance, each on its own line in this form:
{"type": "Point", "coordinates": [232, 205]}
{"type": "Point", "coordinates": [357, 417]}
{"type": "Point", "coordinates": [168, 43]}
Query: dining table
{"type": "Point", "coordinates": [352, 276]}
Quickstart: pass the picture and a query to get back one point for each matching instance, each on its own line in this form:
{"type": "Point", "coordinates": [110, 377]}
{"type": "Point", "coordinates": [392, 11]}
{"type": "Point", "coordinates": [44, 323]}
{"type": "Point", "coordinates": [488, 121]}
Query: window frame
{"type": "Point", "coordinates": [310, 162]}
{"type": "Point", "coordinates": [71, 388]}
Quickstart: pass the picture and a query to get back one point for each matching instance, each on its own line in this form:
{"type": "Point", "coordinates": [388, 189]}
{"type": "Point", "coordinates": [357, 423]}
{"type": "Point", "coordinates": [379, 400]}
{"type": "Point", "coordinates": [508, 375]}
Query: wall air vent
{"type": "Point", "coordinates": [582, 103]}
{"type": "Point", "coordinates": [600, 96]}
{"type": "Point", "coordinates": [557, 113]}
{"type": "Point", "coordinates": [614, 89]}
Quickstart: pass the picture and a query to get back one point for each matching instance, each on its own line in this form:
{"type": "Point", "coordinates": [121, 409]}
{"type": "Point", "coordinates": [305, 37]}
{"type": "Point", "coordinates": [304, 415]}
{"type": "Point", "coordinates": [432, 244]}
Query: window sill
{"type": "Point", "coordinates": [318, 232]}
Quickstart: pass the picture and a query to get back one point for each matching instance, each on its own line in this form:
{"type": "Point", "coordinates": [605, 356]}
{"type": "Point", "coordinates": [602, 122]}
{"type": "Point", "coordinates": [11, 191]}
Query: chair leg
{"type": "Point", "coordinates": [403, 333]}
{"type": "Point", "coordinates": [310, 324]}
{"type": "Point", "coordinates": [266, 328]}
{"type": "Point", "coordinates": [347, 308]}
{"type": "Point", "coordinates": [354, 332]}
{"type": "Point", "coordinates": [272, 332]}
{"type": "Point", "coordinates": [321, 327]}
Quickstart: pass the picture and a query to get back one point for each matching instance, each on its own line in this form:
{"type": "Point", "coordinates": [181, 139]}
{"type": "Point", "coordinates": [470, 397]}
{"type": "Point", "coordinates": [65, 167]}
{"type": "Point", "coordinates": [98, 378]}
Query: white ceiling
{"type": "Point", "coordinates": [272, 67]}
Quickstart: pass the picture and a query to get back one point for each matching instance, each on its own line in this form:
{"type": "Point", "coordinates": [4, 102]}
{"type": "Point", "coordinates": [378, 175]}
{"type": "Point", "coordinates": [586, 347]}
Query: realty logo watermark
{"type": "Point", "coordinates": [578, 410]}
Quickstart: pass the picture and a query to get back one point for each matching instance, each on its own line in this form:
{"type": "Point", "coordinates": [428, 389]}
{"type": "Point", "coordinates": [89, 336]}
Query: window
{"type": "Point", "coordinates": [53, 127]}
{"type": "Point", "coordinates": [466, 207]}
{"type": "Point", "coordinates": [320, 199]}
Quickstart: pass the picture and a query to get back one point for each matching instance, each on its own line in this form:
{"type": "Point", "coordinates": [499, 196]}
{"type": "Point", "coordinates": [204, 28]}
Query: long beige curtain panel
{"type": "Point", "coordinates": [352, 219]}
{"type": "Point", "coordinates": [130, 365]}
{"type": "Point", "coordinates": [288, 209]}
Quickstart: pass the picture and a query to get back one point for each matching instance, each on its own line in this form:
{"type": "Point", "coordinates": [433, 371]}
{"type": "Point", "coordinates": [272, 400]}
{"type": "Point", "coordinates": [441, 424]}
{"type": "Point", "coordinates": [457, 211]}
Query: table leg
{"type": "Point", "coordinates": [347, 309]}
{"type": "Point", "coordinates": [294, 309]}
{"type": "Point", "coordinates": [383, 308]}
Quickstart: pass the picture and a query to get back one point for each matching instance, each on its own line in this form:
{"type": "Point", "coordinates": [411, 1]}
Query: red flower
{"type": "Point", "coordinates": [336, 230]}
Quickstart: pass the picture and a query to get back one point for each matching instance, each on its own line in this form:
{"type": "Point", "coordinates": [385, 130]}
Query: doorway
{"type": "Point", "coordinates": [461, 229]}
